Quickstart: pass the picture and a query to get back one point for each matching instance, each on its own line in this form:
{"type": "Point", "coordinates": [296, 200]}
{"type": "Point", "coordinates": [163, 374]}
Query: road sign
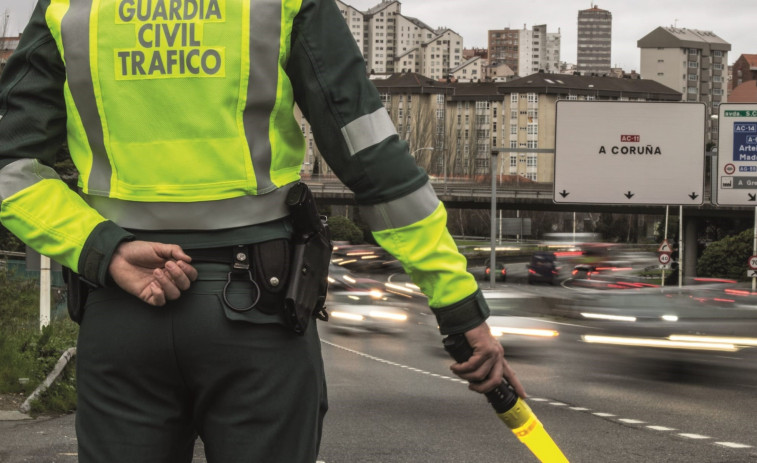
{"type": "Point", "coordinates": [664, 247]}
{"type": "Point", "coordinates": [753, 262]}
{"type": "Point", "coordinates": [664, 258]}
{"type": "Point", "coordinates": [751, 273]}
{"type": "Point", "coordinates": [623, 152]}
{"type": "Point", "coordinates": [737, 155]}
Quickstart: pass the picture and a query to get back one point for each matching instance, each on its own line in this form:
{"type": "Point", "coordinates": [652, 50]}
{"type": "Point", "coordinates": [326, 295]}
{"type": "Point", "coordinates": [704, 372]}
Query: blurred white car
{"type": "Point", "coordinates": [517, 320]}
{"type": "Point", "coordinates": [363, 311]}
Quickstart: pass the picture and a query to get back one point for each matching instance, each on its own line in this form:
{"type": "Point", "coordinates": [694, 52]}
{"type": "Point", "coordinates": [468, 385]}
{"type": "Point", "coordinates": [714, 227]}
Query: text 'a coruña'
{"type": "Point", "coordinates": [168, 39]}
{"type": "Point", "coordinates": [633, 150]}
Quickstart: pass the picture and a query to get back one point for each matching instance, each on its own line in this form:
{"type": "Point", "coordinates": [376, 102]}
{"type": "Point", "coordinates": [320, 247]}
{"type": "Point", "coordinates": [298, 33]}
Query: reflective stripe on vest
{"type": "Point", "coordinates": [368, 130]}
{"type": "Point", "coordinates": [21, 174]}
{"type": "Point", "coordinates": [199, 215]}
{"type": "Point", "coordinates": [244, 89]}
{"type": "Point", "coordinates": [79, 76]}
{"type": "Point", "coordinates": [401, 212]}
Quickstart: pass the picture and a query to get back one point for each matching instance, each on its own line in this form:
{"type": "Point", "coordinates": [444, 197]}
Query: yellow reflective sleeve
{"type": "Point", "coordinates": [51, 219]}
{"type": "Point", "coordinates": [429, 255]}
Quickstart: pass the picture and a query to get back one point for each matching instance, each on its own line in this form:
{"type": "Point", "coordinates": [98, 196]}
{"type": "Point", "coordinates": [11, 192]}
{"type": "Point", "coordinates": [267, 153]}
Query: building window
{"type": "Point", "coordinates": [513, 129]}
{"type": "Point", "coordinates": [717, 53]}
{"type": "Point", "coordinates": [691, 90]}
{"type": "Point", "coordinates": [533, 98]}
{"type": "Point", "coordinates": [693, 64]}
{"type": "Point", "coordinates": [693, 77]}
{"type": "Point", "coordinates": [514, 98]}
{"type": "Point", "coordinates": [440, 99]}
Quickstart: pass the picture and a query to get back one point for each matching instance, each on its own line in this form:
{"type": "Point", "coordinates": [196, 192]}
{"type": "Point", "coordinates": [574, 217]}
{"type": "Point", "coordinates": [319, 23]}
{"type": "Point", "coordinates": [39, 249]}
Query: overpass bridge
{"type": "Point", "coordinates": [465, 194]}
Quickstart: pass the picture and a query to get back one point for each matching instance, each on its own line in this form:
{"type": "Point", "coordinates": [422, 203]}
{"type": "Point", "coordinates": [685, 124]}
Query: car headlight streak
{"type": "Point", "coordinates": [661, 343]}
{"type": "Point", "coordinates": [601, 316]}
{"type": "Point", "coordinates": [503, 330]}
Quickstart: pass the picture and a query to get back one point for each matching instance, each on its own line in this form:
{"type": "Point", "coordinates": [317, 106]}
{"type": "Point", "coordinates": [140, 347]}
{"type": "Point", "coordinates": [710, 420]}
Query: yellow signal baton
{"type": "Point", "coordinates": [511, 409]}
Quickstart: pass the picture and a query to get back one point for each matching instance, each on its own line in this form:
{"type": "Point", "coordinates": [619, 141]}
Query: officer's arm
{"type": "Point", "coordinates": [37, 206]}
{"type": "Point", "coordinates": [357, 138]}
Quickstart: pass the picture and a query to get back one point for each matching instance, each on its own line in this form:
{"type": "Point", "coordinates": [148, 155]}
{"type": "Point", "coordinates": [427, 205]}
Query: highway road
{"type": "Point", "coordinates": [393, 398]}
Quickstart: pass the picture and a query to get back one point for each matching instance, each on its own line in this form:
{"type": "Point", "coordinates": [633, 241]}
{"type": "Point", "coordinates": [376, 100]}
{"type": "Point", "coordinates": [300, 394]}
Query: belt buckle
{"type": "Point", "coordinates": [240, 267]}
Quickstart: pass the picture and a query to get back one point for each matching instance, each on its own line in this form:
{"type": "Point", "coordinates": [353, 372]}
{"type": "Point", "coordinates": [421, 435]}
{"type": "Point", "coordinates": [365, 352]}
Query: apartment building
{"type": "Point", "coordinates": [594, 41]}
{"type": "Point", "coordinates": [451, 127]}
{"type": "Point", "coordinates": [744, 69]}
{"type": "Point", "coordinates": [525, 51]}
{"type": "Point", "coordinates": [692, 61]}
{"type": "Point", "coordinates": [471, 70]}
{"type": "Point", "coordinates": [391, 42]}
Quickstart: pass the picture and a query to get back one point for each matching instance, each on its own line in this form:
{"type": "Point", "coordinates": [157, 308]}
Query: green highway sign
{"type": "Point", "coordinates": [740, 114]}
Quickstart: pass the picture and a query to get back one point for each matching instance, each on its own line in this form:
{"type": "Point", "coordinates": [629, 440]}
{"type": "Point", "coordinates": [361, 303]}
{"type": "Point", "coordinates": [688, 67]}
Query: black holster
{"type": "Point", "coordinates": [308, 278]}
{"type": "Point", "coordinates": [77, 290]}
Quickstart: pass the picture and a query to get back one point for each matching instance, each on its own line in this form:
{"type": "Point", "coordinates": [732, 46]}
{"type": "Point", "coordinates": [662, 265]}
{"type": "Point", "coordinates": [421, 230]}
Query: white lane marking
{"type": "Point", "coordinates": [733, 445]}
{"type": "Point", "coordinates": [661, 428]}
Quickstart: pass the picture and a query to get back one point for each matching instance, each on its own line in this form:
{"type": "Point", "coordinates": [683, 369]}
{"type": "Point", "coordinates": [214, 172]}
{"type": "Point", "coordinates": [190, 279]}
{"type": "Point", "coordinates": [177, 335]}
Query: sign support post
{"type": "Point", "coordinates": [665, 239]}
{"type": "Point", "coordinates": [493, 257]}
{"type": "Point", "coordinates": [680, 246]}
{"type": "Point", "coordinates": [754, 247]}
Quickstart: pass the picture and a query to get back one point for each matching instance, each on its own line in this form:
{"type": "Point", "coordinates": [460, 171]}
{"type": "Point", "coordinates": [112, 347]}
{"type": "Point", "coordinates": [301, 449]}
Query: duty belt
{"type": "Point", "coordinates": [243, 269]}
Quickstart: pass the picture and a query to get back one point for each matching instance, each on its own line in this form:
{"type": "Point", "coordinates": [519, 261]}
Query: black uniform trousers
{"type": "Point", "coordinates": [151, 379]}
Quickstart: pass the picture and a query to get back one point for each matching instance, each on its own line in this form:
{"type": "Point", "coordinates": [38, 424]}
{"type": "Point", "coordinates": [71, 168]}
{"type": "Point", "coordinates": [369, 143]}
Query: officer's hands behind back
{"type": "Point", "coordinates": [154, 272]}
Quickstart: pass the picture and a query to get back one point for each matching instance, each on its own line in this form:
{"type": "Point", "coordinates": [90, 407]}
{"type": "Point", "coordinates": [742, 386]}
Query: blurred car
{"type": "Point", "coordinates": [543, 268]}
{"type": "Point", "coordinates": [342, 280]}
{"type": "Point", "coordinates": [518, 321]}
{"type": "Point", "coordinates": [356, 311]}
{"type": "Point", "coordinates": [584, 271]}
{"type": "Point", "coordinates": [500, 275]}
{"type": "Point", "coordinates": [696, 323]}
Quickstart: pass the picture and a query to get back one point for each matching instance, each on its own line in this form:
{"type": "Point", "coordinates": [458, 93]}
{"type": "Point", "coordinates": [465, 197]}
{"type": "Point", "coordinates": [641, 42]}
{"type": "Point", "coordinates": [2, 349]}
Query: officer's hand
{"type": "Point", "coordinates": [154, 272]}
{"type": "Point", "coordinates": [486, 367]}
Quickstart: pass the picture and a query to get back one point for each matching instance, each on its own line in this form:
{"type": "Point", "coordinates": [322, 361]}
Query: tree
{"type": "Point", "coordinates": [344, 229]}
{"type": "Point", "coordinates": [728, 257]}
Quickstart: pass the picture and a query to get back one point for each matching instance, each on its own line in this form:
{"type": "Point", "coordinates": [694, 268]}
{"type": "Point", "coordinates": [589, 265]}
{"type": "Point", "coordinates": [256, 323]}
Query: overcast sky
{"type": "Point", "coordinates": [731, 20]}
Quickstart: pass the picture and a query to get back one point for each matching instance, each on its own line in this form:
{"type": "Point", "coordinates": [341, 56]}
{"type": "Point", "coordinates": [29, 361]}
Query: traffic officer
{"type": "Point", "coordinates": [179, 117]}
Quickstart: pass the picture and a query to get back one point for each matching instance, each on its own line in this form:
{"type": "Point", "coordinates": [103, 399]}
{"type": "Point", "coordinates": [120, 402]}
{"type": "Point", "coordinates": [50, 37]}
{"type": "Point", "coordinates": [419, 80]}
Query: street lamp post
{"type": "Point", "coordinates": [493, 255]}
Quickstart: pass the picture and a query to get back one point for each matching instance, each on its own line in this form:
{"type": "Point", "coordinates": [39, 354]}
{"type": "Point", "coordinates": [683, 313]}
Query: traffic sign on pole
{"type": "Point", "coordinates": [664, 258]}
{"type": "Point", "coordinates": [736, 176]}
{"type": "Point", "coordinates": [664, 247]}
{"type": "Point", "coordinates": [753, 262]}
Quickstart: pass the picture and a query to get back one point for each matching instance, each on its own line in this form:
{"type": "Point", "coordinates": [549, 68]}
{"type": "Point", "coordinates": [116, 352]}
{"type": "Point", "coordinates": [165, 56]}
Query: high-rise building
{"type": "Point", "coordinates": [391, 42]}
{"type": "Point", "coordinates": [692, 61]}
{"type": "Point", "coordinates": [525, 51]}
{"type": "Point", "coordinates": [594, 41]}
